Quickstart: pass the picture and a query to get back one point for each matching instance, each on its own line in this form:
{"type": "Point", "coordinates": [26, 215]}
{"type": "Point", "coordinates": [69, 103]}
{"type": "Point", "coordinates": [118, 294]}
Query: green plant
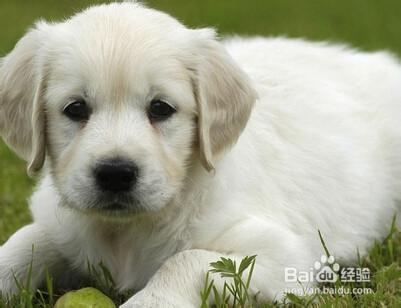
{"type": "Point", "coordinates": [235, 290]}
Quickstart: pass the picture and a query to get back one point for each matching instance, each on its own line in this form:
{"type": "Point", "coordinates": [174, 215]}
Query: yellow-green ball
{"type": "Point", "coordinates": [85, 298]}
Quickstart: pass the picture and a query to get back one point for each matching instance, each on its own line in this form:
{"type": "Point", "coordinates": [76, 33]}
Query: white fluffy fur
{"type": "Point", "coordinates": [320, 150]}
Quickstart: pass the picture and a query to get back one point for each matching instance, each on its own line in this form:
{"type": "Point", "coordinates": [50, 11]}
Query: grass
{"type": "Point", "coordinates": [384, 261]}
{"type": "Point", "coordinates": [367, 24]}
{"type": "Point", "coordinates": [383, 289]}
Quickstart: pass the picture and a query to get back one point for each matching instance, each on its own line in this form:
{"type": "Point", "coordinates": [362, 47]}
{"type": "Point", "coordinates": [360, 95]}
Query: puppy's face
{"type": "Point", "coordinates": [123, 97]}
{"type": "Point", "coordinates": [121, 114]}
{"type": "Point", "coordinates": [120, 133]}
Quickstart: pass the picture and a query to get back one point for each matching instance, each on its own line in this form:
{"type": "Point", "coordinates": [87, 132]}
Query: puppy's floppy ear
{"type": "Point", "coordinates": [22, 119]}
{"type": "Point", "coordinates": [224, 96]}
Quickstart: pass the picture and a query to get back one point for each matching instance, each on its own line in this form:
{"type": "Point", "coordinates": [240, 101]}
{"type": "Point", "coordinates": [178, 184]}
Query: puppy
{"type": "Point", "coordinates": [164, 149]}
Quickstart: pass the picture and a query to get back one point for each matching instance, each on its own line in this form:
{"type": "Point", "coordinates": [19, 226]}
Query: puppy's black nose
{"type": "Point", "coordinates": [116, 175]}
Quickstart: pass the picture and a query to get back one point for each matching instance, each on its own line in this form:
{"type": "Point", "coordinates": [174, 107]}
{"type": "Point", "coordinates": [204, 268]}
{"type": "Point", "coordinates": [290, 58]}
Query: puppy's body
{"type": "Point", "coordinates": [320, 151]}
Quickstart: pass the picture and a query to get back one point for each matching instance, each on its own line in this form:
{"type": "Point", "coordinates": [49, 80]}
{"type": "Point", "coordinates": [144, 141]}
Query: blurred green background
{"type": "Point", "coordinates": [367, 24]}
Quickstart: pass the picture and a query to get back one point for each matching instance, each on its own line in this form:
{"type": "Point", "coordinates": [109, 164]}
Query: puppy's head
{"type": "Point", "coordinates": [119, 100]}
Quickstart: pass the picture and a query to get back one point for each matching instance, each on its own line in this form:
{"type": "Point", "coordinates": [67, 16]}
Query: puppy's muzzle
{"type": "Point", "coordinates": [116, 176]}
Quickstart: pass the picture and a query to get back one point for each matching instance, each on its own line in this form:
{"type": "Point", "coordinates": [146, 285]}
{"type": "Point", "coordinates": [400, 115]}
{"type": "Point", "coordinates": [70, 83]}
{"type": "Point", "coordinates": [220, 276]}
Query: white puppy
{"type": "Point", "coordinates": [163, 149]}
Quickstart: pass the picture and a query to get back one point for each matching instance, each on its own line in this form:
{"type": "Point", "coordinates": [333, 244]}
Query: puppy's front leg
{"type": "Point", "coordinates": [180, 279]}
{"type": "Point", "coordinates": [177, 283]}
{"type": "Point", "coordinates": [29, 244]}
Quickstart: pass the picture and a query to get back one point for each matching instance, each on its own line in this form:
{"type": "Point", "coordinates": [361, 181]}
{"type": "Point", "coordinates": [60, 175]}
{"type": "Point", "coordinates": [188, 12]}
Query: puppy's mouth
{"type": "Point", "coordinates": [106, 205]}
{"type": "Point", "coordinates": [116, 211]}
{"type": "Point", "coordinates": [118, 205]}
{"type": "Point", "coordinates": [115, 207]}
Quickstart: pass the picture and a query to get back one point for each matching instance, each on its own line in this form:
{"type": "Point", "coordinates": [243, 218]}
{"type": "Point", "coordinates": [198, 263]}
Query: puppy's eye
{"type": "Point", "coordinates": [159, 110]}
{"type": "Point", "coordinates": [77, 111]}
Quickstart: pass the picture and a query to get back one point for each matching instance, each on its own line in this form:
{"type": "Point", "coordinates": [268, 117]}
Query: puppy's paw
{"type": "Point", "coordinates": [151, 299]}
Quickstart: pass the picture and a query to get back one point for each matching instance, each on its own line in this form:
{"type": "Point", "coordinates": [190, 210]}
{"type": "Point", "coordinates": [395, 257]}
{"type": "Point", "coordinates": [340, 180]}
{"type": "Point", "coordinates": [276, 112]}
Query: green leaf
{"type": "Point", "coordinates": [245, 263]}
